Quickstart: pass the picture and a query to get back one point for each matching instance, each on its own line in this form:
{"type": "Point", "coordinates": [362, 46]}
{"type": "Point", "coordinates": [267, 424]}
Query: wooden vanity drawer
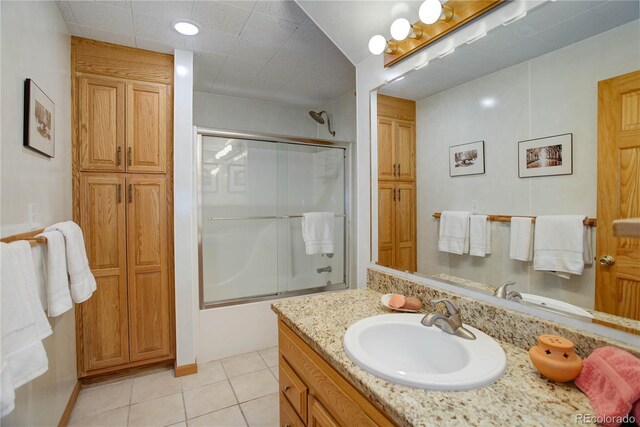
{"type": "Point", "coordinates": [337, 396]}
{"type": "Point", "coordinates": [293, 388]}
{"type": "Point", "coordinates": [288, 416]}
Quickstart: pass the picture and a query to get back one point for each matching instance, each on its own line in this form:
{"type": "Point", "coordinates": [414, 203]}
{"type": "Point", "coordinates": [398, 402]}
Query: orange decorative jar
{"type": "Point", "coordinates": [554, 358]}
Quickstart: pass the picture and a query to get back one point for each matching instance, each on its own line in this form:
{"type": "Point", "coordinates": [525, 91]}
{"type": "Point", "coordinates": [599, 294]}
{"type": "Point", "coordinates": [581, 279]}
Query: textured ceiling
{"type": "Point", "coordinates": [546, 28]}
{"type": "Point", "coordinates": [260, 49]}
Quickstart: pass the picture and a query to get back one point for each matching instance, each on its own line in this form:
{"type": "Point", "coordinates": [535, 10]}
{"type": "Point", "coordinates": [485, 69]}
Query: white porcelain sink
{"type": "Point", "coordinates": [398, 348]}
{"type": "Point", "coordinates": [556, 304]}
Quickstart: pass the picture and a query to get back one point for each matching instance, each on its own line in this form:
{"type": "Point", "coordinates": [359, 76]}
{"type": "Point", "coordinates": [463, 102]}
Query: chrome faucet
{"type": "Point", "coordinates": [504, 293]}
{"type": "Point", "coordinates": [450, 323]}
{"type": "Point", "coordinates": [326, 269]}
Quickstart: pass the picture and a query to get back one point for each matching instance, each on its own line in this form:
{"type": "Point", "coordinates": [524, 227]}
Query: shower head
{"type": "Point", "coordinates": [318, 118]}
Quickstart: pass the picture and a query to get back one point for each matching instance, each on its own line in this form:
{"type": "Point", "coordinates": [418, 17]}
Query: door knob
{"type": "Point", "coordinates": [607, 260]}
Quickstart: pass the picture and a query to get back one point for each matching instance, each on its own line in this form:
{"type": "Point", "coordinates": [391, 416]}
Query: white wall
{"type": "Point", "coordinates": [36, 45]}
{"type": "Point", "coordinates": [553, 94]}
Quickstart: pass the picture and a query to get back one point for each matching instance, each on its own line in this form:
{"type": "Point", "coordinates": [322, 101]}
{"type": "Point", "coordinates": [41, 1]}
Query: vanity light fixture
{"type": "Point", "coordinates": [186, 28]}
{"type": "Point", "coordinates": [378, 44]}
{"type": "Point", "coordinates": [401, 28]}
{"type": "Point", "coordinates": [432, 11]}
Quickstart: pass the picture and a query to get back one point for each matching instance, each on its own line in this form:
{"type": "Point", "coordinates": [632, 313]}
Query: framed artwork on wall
{"type": "Point", "coordinates": [466, 159]}
{"type": "Point", "coordinates": [39, 120]}
{"type": "Point", "coordinates": [236, 179]}
{"type": "Point", "coordinates": [548, 156]}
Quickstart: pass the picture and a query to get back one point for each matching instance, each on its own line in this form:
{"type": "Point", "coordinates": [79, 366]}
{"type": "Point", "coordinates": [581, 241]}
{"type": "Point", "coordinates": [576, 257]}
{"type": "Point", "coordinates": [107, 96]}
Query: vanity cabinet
{"type": "Point", "coordinates": [122, 187]}
{"type": "Point", "coordinates": [396, 183]}
{"type": "Point", "coordinates": [312, 393]}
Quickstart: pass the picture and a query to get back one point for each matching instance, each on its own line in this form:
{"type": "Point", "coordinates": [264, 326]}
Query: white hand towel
{"type": "Point", "coordinates": [521, 242]}
{"type": "Point", "coordinates": [23, 323]}
{"type": "Point", "coordinates": [318, 232]}
{"type": "Point", "coordinates": [559, 244]}
{"type": "Point", "coordinates": [454, 232]}
{"type": "Point", "coordinates": [82, 282]}
{"type": "Point", "coordinates": [479, 235]}
{"type": "Point", "coordinates": [55, 261]}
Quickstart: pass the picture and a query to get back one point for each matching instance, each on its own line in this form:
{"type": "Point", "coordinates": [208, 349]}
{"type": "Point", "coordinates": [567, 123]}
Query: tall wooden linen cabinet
{"type": "Point", "coordinates": [123, 187]}
{"type": "Point", "coordinates": [397, 183]}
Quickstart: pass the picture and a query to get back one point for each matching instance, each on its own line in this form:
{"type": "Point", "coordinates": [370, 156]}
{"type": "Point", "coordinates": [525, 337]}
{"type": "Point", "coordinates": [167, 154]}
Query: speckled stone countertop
{"type": "Point", "coordinates": [520, 397]}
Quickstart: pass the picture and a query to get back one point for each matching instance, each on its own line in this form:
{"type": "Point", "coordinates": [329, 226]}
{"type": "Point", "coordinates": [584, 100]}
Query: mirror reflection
{"type": "Point", "coordinates": [538, 119]}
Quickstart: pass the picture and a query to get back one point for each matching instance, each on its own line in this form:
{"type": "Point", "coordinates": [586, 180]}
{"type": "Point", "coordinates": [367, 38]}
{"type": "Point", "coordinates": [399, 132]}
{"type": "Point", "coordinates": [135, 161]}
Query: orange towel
{"type": "Point", "coordinates": [611, 379]}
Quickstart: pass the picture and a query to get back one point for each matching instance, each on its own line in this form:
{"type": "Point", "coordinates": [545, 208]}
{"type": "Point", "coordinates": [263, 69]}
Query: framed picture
{"type": "Point", "coordinates": [210, 177]}
{"type": "Point", "coordinates": [552, 155]}
{"type": "Point", "coordinates": [39, 120]}
{"type": "Point", "coordinates": [236, 179]}
{"type": "Point", "coordinates": [466, 159]}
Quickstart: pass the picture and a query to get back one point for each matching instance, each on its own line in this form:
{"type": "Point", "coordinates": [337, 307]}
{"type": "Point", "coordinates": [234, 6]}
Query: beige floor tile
{"type": "Point", "coordinates": [228, 417]}
{"type": "Point", "coordinates": [156, 385]}
{"type": "Point", "coordinates": [208, 373]}
{"type": "Point", "coordinates": [111, 418]}
{"type": "Point", "coordinates": [263, 412]}
{"type": "Point", "coordinates": [159, 412]}
{"type": "Point", "coordinates": [209, 398]}
{"type": "Point", "coordinates": [270, 356]}
{"type": "Point", "coordinates": [99, 399]}
{"type": "Point", "coordinates": [275, 371]}
{"type": "Point", "coordinates": [254, 385]}
{"type": "Point", "coordinates": [243, 364]}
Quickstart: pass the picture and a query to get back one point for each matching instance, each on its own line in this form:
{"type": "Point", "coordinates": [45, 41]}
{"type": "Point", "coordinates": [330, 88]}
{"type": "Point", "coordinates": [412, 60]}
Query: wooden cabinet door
{"type": "Point", "coordinates": [405, 147]}
{"type": "Point", "coordinates": [386, 220]}
{"type": "Point", "coordinates": [101, 124]}
{"type": "Point", "coordinates": [319, 416]}
{"type": "Point", "coordinates": [146, 127]}
{"type": "Point", "coordinates": [386, 150]}
{"type": "Point", "coordinates": [104, 317]}
{"type": "Point", "coordinates": [405, 227]}
{"type": "Point", "coordinates": [149, 316]}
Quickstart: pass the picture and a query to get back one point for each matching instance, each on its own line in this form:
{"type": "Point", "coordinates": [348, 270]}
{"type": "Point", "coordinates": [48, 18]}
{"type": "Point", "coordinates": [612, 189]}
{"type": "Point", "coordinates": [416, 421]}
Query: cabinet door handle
{"type": "Point", "coordinates": [285, 388]}
{"type": "Point", "coordinates": [394, 194]}
{"type": "Point", "coordinates": [119, 195]}
{"type": "Point", "coordinates": [119, 155]}
{"type": "Point", "coordinates": [129, 155]}
{"type": "Point", "coordinates": [399, 193]}
{"type": "Point", "coordinates": [394, 169]}
{"type": "Point", "coordinates": [130, 193]}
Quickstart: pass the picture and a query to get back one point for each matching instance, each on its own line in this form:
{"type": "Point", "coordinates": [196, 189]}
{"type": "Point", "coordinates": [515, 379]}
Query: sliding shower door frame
{"type": "Point", "coordinates": [201, 132]}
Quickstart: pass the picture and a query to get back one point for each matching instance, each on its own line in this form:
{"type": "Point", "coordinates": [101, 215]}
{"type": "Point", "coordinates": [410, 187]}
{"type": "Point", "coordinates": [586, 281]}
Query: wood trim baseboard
{"type": "Point", "coordinates": [181, 371]}
{"type": "Point", "coordinates": [66, 415]}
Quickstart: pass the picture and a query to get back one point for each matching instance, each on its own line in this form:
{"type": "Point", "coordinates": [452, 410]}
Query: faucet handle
{"type": "Point", "coordinates": [451, 307]}
{"type": "Point", "coordinates": [502, 291]}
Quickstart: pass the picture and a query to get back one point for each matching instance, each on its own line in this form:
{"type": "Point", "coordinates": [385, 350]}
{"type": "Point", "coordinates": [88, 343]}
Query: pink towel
{"type": "Point", "coordinates": [610, 377]}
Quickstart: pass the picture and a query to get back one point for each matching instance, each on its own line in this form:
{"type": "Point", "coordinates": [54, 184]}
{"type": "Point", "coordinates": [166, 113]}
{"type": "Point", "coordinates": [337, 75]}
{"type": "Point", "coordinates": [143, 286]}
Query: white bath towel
{"type": "Point", "coordinates": [55, 261]}
{"type": "Point", "coordinates": [559, 244]}
{"type": "Point", "coordinates": [23, 323]}
{"type": "Point", "coordinates": [521, 241]}
{"type": "Point", "coordinates": [454, 232]}
{"type": "Point", "coordinates": [479, 235]}
{"type": "Point", "coordinates": [318, 232]}
{"type": "Point", "coordinates": [82, 282]}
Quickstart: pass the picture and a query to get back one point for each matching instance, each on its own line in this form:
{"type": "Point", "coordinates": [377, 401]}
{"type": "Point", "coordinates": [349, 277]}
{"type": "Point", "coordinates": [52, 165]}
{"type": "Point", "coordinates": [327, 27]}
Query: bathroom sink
{"type": "Point", "coordinates": [398, 348]}
{"type": "Point", "coordinates": [556, 305]}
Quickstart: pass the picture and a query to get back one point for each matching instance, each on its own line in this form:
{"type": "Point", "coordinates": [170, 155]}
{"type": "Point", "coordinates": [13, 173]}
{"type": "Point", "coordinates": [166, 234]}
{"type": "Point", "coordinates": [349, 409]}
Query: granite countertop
{"type": "Point", "coordinates": [520, 397]}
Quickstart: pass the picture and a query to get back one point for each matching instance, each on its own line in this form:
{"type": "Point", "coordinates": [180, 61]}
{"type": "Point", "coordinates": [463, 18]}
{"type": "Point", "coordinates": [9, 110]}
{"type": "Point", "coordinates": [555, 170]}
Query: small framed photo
{"type": "Point", "coordinates": [466, 159]}
{"type": "Point", "coordinates": [210, 177]}
{"type": "Point", "coordinates": [236, 179]}
{"type": "Point", "coordinates": [39, 120]}
{"type": "Point", "coordinates": [552, 155]}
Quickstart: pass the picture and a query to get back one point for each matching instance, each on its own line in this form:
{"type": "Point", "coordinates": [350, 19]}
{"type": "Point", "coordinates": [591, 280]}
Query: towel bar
{"type": "Point", "coordinates": [590, 222]}
{"type": "Point", "coordinates": [29, 236]}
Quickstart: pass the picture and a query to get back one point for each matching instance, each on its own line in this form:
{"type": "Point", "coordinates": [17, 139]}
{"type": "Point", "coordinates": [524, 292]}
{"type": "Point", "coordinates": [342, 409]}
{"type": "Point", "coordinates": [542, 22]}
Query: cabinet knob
{"type": "Point", "coordinates": [285, 388]}
{"type": "Point", "coordinates": [394, 169]}
{"type": "Point", "coordinates": [607, 260]}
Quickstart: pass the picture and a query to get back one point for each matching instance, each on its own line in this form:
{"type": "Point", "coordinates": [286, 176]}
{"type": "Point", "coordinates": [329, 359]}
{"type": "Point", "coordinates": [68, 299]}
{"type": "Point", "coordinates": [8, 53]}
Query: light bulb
{"type": "Point", "coordinates": [377, 44]}
{"type": "Point", "coordinates": [430, 11]}
{"type": "Point", "coordinates": [186, 28]}
{"type": "Point", "coordinates": [400, 29]}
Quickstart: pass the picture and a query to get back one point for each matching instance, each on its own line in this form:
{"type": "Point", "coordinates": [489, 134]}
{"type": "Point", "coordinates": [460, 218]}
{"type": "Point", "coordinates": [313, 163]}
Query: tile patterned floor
{"type": "Point", "coordinates": [236, 391]}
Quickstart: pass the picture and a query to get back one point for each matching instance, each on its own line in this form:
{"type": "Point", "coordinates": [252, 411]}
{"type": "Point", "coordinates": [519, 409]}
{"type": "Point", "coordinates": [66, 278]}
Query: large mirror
{"type": "Point", "coordinates": [528, 121]}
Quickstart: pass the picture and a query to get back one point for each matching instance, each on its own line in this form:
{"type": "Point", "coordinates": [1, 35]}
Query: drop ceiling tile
{"type": "Point", "coordinates": [282, 9]}
{"type": "Point", "coordinates": [116, 20]}
{"type": "Point", "coordinates": [169, 10]}
{"type": "Point", "coordinates": [201, 86]}
{"type": "Point", "coordinates": [74, 29]}
{"type": "Point", "coordinates": [219, 16]}
{"type": "Point", "coordinates": [65, 11]}
{"type": "Point", "coordinates": [275, 70]}
{"type": "Point", "coordinates": [206, 66]}
{"type": "Point", "coordinates": [158, 29]}
{"type": "Point", "coordinates": [109, 37]}
{"type": "Point", "coordinates": [471, 62]}
{"type": "Point", "coordinates": [242, 67]}
{"type": "Point", "coordinates": [212, 41]}
{"type": "Point", "coordinates": [524, 50]}
{"type": "Point", "coordinates": [254, 48]}
{"type": "Point", "coordinates": [260, 26]}
{"type": "Point", "coordinates": [619, 11]}
{"type": "Point", "coordinates": [156, 46]}
{"type": "Point", "coordinates": [123, 4]}
{"type": "Point", "coordinates": [549, 14]}
{"type": "Point", "coordinates": [243, 4]}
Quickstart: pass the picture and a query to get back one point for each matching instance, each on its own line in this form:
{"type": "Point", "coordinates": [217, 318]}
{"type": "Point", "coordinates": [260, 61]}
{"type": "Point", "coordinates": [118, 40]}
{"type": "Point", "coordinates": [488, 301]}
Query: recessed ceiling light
{"type": "Point", "coordinates": [186, 28]}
